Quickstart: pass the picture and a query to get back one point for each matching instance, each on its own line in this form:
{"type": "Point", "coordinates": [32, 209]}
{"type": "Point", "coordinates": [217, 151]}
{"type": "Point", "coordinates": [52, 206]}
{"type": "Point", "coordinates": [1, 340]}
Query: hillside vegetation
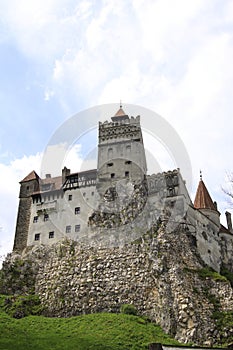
{"type": "Point", "coordinates": [103, 331]}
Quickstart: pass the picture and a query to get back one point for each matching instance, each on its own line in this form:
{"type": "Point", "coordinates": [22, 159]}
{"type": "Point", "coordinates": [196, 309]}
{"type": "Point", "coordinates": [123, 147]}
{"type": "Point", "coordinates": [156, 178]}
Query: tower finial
{"type": "Point", "coordinates": [120, 104]}
{"type": "Point", "coordinates": [200, 175]}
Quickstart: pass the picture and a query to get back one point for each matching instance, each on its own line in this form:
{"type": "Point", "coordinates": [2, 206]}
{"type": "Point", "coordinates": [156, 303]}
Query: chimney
{"type": "Point", "coordinates": [229, 222]}
{"type": "Point", "coordinates": [65, 172]}
{"type": "Point", "coordinates": [48, 176]}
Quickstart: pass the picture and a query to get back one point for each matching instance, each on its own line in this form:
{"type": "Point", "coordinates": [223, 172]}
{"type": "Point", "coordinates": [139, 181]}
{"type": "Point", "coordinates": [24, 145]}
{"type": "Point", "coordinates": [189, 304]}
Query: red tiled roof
{"type": "Point", "coordinates": [120, 113]}
{"type": "Point", "coordinates": [32, 176]}
{"type": "Point", "coordinates": [203, 199]}
{"type": "Point", "coordinates": [224, 229]}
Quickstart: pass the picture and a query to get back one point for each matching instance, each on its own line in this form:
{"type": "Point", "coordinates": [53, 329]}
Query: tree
{"type": "Point", "coordinates": [229, 188]}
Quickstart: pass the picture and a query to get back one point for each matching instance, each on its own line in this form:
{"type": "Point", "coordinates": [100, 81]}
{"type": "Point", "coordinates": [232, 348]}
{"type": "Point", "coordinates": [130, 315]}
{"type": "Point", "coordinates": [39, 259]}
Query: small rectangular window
{"type": "Point", "coordinates": [128, 162]}
{"type": "Point", "coordinates": [70, 197]}
{"type": "Point", "coordinates": [51, 234]}
{"type": "Point", "coordinates": [77, 210]}
{"type": "Point", "coordinates": [77, 228]}
{"type": "Point", "coordinates": [35, 219]}
{"type": "Point", "coordinates": [127, 174]}
{"type": "Point", "coordinates": [37, 236]}
{"type": "Point", "coordinates": [68, 229]}
{"type": "Point", "coordinates": [112, 176]}
{"type": "Point", "coordinates": [46, 217]}
{"type": "Point", "coordinates": [110, 164]}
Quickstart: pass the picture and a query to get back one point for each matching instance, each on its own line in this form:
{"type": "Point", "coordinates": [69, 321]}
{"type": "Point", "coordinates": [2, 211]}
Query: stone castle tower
{"type": "Point", "coordinates": [121, 153]}
{"type": "Point", "coordinates": [28, 186]}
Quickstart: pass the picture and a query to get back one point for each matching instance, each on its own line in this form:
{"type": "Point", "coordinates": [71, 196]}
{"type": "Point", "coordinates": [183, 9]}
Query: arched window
{"type": "Point", "coordinates": [128, 149]}
{"type": "Point", "coordinates": [110, 152]}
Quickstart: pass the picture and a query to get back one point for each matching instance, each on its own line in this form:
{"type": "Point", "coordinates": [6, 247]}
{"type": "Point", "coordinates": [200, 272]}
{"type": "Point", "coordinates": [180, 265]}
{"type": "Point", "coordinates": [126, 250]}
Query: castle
{"type": "Point", "coordinates": [116, 203]}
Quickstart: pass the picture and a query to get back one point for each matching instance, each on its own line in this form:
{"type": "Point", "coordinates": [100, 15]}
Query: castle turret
{"type": "Point", "coordinates": [121, 153]}
{"type": "Point", "coordinates": [28, 185]}
{"type": "Point", "coordinates": [205, 204]}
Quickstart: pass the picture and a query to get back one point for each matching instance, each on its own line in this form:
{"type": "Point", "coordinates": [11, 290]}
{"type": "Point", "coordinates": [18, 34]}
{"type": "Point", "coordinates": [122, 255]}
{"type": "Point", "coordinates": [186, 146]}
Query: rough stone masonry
{"type": "Point", "coordinates": [158, 274]}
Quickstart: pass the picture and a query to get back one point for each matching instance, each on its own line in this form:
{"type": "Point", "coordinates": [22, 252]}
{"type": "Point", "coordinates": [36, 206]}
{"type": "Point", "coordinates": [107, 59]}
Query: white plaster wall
{"type": "Point", "coordinates": [61, 212]}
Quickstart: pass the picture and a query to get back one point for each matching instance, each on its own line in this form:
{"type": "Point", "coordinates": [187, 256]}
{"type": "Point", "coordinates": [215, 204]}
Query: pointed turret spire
{"type": "Point", "coordinates": [120, 114]}
{"type": "Point", "coordinates": [202, 198]}
{"type": "Point", "coordinates": [32, 176]}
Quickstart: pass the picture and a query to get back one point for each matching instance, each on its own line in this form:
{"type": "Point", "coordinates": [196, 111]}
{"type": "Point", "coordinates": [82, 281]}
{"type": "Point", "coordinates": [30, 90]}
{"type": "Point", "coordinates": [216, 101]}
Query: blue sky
{"type": "Point", "coordinates": [59, 57]}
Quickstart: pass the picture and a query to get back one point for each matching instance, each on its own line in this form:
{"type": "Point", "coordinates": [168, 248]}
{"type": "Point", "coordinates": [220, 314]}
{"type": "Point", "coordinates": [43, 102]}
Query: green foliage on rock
{"type": "Point", "coordinates": [128, 309]}
{"type": "Point", "coordinates": [21, 306]}
{"type": "Point", "coordinates": [17, 277]}
{"type": "Point", "coordinates": [228, 274]}
{"type": "Point", "coordinates": [207, 272]}
{"type": "Point", "coordinates": [224, 322]}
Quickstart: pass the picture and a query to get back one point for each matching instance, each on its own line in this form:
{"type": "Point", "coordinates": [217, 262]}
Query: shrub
{"type": "Point", "coordinates": [22, 306]}
{"type": "Point", "coordinates": [128, 309]}
{"type": "Point", "coordinates": [227, 273]}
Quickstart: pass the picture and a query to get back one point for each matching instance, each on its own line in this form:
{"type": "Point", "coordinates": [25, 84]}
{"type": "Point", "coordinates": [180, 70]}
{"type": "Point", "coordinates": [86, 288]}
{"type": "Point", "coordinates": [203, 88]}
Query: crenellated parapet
{"type": "Point", "coordinates": [165, 184]}
{"type": "Point", "coordinates": [121, 129]}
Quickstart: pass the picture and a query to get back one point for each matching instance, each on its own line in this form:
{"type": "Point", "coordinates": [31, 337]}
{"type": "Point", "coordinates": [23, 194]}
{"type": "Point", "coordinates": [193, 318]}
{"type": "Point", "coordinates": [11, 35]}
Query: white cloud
{"type": "Point", "coordinates": [10, 175]}
{"type": "Point", "coordinates": [43, 29]}
{"type": "Point", "coordinates": [48, 94]}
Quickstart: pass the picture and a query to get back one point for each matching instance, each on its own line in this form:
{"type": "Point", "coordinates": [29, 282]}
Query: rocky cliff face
{"type": "Point", "coordinates": [161, 274]}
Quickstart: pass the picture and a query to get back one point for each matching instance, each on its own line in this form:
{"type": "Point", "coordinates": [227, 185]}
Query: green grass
{"type": "Point", "coordinates": [96, 331]}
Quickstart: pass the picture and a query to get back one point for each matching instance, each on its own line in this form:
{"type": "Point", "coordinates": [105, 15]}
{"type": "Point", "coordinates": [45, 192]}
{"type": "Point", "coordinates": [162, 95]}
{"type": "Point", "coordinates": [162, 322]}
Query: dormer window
{"type": "Point", "coordinates": [46, 187]}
